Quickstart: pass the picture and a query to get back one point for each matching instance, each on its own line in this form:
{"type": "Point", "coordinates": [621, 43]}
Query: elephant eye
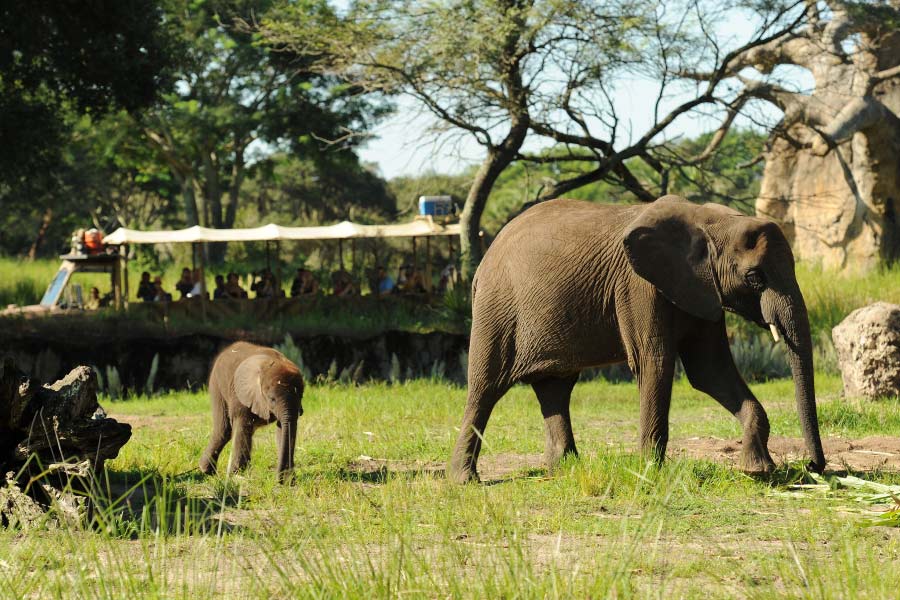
{"type": "Point", "coordinates": [755, 279]}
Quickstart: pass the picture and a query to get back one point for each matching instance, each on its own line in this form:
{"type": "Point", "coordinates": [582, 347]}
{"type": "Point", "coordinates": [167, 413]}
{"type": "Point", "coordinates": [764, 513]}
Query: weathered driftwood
{"type": "Point", "coordinates": [53, 438]}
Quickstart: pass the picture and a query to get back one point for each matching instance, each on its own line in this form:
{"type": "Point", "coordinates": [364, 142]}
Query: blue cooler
{"type": "Point", "coordinates": [436, 206]}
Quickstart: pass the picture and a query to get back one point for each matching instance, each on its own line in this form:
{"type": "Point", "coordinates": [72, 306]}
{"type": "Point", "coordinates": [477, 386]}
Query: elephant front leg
{"type": "Point", "coordinates": [710, 368]}
{"type": "Point", "coordinates": [241, 446]}
{"type": "Point", "coordinates": [554, 395]}
{"type": "Point", "coordinates": [654, 377]}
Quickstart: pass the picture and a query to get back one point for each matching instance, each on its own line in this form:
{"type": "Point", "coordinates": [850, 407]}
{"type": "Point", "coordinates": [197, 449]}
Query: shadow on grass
{"type": "Point", "coordinates": [138, 502]}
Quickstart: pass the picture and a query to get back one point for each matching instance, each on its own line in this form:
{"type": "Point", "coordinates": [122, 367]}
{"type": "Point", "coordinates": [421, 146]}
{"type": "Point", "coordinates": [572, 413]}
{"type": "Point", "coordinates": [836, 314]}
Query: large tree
{"type": "Point", "coordinates": [63, 56]}
{"type": "Point", "coordinates": [832, 171]}
{"type": "Point", "coordinates": [475, 66]}
{"type": "Point", "coordinates": [505, 71]}
{"type": "Point", "coordinates": [235, 102]}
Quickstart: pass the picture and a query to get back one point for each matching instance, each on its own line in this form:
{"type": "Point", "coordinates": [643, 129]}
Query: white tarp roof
{"type": "Point", "coordinates": [271, 232]}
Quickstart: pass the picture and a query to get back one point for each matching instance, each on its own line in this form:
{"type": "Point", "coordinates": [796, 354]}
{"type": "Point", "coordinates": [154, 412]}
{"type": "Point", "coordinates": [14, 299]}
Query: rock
{"type": "Point", "coordinates": [868, 348]}
{"type": "Point", "coordinates": [53, 438]}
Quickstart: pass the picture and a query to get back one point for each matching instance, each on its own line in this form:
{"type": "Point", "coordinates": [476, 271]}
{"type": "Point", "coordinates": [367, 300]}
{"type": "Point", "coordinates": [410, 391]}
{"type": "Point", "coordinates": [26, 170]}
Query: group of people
{"type": "Point", "coordinates": [409, 281]}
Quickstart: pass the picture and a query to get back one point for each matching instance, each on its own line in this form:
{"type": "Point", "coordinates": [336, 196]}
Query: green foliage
{"type": "Point", "coordinates": [759, 358]}
{"type": "Point", "coordinates": [57, 61]}
{"type": "Point", "coordinates": [234, 121]}
{"type": "Point", "coordinates": [727, 177]}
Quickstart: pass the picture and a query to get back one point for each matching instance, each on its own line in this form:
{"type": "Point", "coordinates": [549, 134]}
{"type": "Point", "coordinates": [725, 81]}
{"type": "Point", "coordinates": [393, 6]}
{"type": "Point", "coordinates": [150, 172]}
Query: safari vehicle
{"type": "Point", "coordinates": [93, 253]}
{"type": "Point", "coordinates": [88, 255]}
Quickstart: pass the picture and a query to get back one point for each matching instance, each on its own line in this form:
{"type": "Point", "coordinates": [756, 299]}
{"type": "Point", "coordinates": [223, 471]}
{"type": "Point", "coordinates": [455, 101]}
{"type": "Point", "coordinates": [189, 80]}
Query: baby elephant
{"type": "Point", "coordinates": [251, 386]}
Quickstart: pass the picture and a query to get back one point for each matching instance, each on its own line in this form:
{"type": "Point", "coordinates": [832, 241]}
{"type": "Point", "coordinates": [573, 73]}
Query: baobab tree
{"type": "Point", "coordinates": [832, 174]}
{"type": "Point", "coordinates": [839, 188]}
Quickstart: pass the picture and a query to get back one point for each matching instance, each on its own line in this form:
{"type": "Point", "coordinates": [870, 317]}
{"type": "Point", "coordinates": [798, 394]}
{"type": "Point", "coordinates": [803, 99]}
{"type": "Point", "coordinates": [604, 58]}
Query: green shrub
{"type": "Point", "coordinates": [759, 358]}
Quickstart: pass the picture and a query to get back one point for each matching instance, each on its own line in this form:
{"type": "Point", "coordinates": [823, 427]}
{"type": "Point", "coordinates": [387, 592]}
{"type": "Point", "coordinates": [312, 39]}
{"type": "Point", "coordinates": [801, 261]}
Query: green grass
{"type": "Point", "coordinates": [605, 525]}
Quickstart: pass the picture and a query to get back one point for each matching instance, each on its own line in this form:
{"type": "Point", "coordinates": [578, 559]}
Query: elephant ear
{"type": "Point", "coordinates": [248, 385]}
{"type": "Point", "coordinates": [667, 246]}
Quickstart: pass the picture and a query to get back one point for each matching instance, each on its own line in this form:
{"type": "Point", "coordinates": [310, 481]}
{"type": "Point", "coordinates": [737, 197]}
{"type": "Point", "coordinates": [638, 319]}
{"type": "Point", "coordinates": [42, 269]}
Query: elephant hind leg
{"type": "Point", "coordinates": [554, 395]}
{"type": "Point", "coordinates": [464, 460]}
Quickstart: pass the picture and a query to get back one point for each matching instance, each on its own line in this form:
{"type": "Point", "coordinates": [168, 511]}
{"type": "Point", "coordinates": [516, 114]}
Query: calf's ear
{"type": "Point", "coordinates": [667, 246]}
{"type": "Point", "coordinates": [248, 385]}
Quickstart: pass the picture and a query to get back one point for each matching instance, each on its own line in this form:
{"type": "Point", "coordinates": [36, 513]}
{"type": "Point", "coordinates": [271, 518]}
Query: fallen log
{"type": "Point", "coordinates": [53, 440]}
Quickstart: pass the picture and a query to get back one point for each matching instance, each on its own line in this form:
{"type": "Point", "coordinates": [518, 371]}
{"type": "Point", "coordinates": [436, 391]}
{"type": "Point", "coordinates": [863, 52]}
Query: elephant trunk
{"type": "Point", "coordinates": [787, 312]}
{"type": "Point", "coordinates": [287, 437]}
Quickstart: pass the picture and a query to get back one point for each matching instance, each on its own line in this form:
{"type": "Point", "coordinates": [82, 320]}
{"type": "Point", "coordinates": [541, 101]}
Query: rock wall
{"type": "Point", "coordinates": [184, 360]}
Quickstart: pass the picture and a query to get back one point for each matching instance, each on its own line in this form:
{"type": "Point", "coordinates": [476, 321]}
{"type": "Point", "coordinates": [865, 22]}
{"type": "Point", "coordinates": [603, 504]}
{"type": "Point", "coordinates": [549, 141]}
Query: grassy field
{"type": "Point", "coordinates": [370, 514]}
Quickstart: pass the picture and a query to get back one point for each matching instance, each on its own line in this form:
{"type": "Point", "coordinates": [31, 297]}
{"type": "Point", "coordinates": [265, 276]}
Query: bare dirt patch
{"type": "Point", "coordinates": [865, 454]}
{"type": "Point", "coordinates": [493, 467]}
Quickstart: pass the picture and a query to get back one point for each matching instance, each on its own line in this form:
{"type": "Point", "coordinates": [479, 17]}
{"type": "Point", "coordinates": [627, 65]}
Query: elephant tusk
{"type": "Point", "coordinates": [774, 331]}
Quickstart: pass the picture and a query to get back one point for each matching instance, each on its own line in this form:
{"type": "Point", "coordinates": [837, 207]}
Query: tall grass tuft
{"type": "Point", "coordinates": [759, 358]}
{"type": "Point", "coordinates": [151, 377]}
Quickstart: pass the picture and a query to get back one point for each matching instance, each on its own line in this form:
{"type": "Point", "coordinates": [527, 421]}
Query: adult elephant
{"type": "Point", "coordinates": [569, 285]}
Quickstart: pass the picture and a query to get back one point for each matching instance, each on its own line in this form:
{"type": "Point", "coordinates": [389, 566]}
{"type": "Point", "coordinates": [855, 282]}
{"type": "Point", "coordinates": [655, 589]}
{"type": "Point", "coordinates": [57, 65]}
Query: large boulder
{"type": "Point", "coordinates": [868, 348]}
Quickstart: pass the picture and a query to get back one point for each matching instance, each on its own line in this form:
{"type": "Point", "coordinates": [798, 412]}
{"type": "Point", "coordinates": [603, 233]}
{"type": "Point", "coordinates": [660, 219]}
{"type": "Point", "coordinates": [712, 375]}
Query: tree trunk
{"type": "Point", "coordinates": [41, 235]}
{"type": "Point", "coordinates": [53, 439]}
{"type": "Point", "coordinates": [470, 219]}
{"type": "Point", "coordinates": [192, 216]}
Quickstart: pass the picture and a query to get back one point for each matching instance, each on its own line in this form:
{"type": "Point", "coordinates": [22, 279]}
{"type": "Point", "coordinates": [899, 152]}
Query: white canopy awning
{"type": "Point", "coordinates": [422, 226]}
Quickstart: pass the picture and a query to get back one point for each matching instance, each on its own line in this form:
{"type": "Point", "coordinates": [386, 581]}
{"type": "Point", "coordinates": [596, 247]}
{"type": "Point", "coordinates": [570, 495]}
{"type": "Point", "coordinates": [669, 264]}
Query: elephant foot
{"type": "Point", "coordinates": [756, 462]}
{"type": "Point", "coordinates": [461, 475]}
{"type": "Point", "coordinates": [553, 459]}
{"type": "Point", "coordinates": [207, 467]}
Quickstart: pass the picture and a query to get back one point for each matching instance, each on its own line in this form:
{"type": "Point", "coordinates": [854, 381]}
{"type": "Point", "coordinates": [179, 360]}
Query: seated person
{"type": "Point", "coordinates": [449, 278]}
{"type": "Point", "coordinates": [197, 289]}
{"type": "Point", "coordinates": [304, 283]}
{"type": "Point", "coordinates": [159, 294]}
{"type": "Point", "coordinates": [233, 287]}
{"type": "Point", "coordinates": [413, 281]}
{"type": "Point", "coordinates": [93, 301]}
{"type": "Point", "coordinates": [342, 284]}
{"type": "Point", "coordinates": [384, 283]}
{"type": "Point", "coordinates": [185, 284]}
{"type": "Point", "coordinates": [219, 292]}
{"type": "Point", "coordinates": [265, 287]}
{"type": "Point", "coordinates": [145, 291]}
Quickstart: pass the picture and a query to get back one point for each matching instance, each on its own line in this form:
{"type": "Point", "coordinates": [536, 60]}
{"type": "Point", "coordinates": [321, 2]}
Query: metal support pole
{"type": "Point", "coordinates": [279, 274]}
{"type": "Point", "coordinates": [428, 264]}
{"type": "Point", "coordinates": [341, 252]}
{"type": "Point", "coordinates": [123, 256]}
{"type": "Point", "coordinates": [198, 250]}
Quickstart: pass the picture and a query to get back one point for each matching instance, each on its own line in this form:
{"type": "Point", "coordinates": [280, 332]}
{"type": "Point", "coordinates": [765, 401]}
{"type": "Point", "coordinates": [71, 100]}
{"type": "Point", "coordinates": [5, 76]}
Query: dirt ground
{"type": "Point", "coordinates": [874, 453]}
{"type": "Point", "coordinates": [881, 453]}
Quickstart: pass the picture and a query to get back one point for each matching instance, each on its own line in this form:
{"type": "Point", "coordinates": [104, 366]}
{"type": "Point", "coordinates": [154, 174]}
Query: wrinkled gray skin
{"type": "Point", "coordinates": [251, 386]}
{"type": "Point", "coordinates": [569, 285]}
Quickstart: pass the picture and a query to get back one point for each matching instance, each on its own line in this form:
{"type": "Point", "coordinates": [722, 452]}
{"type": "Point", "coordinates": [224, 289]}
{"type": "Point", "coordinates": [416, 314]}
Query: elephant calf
{"type": "Point", "coordinates": [251, 386]}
